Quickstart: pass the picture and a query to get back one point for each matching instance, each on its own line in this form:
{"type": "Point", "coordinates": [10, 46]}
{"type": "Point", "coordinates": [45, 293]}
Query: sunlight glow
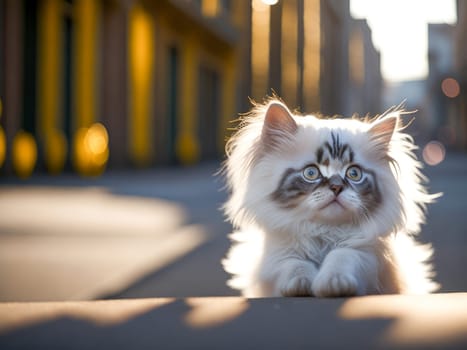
{"type": "Point", "coordinates": [400, 32]}
{"type": "Point", "coordinates": [270, 2]}
{"type": "Point", "coordinates": [416, 319]}
{"type": "Point", "coordinates": [86, 242]}
{"type": "Point", "coordinates": [101, 313]}
{"type": "Point", "coordinates": [210, 312]}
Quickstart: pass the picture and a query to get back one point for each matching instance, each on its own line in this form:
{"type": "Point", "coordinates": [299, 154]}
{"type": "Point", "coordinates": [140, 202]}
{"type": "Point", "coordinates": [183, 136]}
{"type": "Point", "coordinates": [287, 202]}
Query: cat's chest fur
{"type": "Point", "coordinates": [312, 243]}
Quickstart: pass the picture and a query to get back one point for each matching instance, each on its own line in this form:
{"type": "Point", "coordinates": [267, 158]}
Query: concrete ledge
{"type": "Point", "coordinates": [394, 321]}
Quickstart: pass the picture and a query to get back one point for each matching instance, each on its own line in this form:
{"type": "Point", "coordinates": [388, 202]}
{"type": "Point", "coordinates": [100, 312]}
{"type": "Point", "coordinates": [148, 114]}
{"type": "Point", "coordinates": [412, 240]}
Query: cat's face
{"type": "Point", "coordinates": [331, 187]}
{"type": "Point", "coordinates": [329, 172]}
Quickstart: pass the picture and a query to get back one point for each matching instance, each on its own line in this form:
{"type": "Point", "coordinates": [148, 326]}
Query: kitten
{"type": "Point", "coordinates": [325, 207]}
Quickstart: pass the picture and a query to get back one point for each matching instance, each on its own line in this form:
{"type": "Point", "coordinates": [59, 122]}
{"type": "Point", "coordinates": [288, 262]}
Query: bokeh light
{"type": "Point", "coordinates": [24, 154]}
{"type": "Point", "coordinates": [434, 153]}
{"type": "Point", "coordinates": [91, 149]}
{"type": "Point", "coordinates": [450, 87]}
{"type": "Point", "coordinates": [96, 139]}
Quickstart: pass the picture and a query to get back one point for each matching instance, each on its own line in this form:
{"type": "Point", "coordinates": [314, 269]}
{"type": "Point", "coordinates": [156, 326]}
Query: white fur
{"type": "Point", "coordinates": [306, 251]}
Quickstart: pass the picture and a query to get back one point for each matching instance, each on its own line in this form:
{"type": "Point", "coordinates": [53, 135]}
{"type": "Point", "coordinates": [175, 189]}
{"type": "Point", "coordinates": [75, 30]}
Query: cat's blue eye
{"type": "Point", "coordinates": [311, 173]}
{"type": "Point", "coordinates": [354, 173]}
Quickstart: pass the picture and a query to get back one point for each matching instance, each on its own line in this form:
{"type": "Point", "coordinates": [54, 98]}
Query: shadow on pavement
{"type": "Point", "coordinates": [393, 321]}
{"type": "Point", "coordinates": [182, 324]}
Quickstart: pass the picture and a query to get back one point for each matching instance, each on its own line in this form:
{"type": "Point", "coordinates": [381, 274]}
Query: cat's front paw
{"type": "Point", "coordinates": [335, 285]}
{"type": "Point", "coordinates": [297, 286]}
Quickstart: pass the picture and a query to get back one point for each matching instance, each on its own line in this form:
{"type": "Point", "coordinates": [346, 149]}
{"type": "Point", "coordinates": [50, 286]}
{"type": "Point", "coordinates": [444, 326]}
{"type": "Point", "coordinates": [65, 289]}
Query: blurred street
{"type": "Point", "coordinates": [159, 233]}
{"type": "Point", "coordinates": [68, 238]}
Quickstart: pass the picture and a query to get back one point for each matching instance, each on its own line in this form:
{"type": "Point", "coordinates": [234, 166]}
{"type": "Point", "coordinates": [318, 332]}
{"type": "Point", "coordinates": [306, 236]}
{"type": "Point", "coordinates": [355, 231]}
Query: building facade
{"type": "Point", "coordinates": [460, 54]}
{"type": "Point", "coordinates": [158, 78]}
{"type": "Point", "coordinates": [366, 81]}
{"type": "Point", "coordinates": [300, 51]}
{"type": "Point", "coordinates": [90, 84]}
{"type": "Point", "coordinates": [443, 93]}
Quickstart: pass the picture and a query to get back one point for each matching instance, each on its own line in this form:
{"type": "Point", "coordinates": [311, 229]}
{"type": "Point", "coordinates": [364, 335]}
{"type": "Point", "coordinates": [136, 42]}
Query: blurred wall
{"type": "Point", "coordinates": [366, 82]}
{"type": "Point", "coordinates": [446, 92]}
{"type": "Point", "coordinates": [444, 101]}
{"type": "Point", "coordinates": [90, 84]}
{"type": "Point", "coordinates": [461, 69]}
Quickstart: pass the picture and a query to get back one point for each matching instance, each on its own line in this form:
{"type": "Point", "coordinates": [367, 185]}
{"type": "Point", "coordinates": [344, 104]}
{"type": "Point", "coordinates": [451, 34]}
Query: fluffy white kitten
{"type": "Point", "coordinates": [325, 207]}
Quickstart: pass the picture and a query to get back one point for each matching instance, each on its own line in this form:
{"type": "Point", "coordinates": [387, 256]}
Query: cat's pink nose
{"type": "Point", "coordinates": [336, 189]}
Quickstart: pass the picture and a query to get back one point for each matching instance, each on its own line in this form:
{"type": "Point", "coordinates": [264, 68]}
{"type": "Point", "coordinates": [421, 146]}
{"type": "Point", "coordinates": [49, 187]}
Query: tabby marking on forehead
{"type": "Point", "coordinates": [336, 150]}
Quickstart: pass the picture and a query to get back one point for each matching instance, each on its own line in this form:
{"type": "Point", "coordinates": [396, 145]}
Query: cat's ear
{"type": "Point", "coordinates": [382, 130]}
{"type": "Point", "coordinates": [278, 124]}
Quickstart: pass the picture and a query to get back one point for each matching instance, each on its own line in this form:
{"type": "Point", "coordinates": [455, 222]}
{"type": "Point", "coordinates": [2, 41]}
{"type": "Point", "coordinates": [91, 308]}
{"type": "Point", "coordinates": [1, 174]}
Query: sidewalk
{"type": "Point", "coordinates": [72, 239]}
{"type": "Point", "coordinates": [373, 322]}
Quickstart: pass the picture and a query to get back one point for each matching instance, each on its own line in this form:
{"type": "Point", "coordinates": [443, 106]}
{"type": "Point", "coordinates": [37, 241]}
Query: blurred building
{"type": "Point", "coordinates": [87, 84]}
{"type": "Point", "coordinates": [300, 51]}
{"type": "Point", "coordinates": [461, 69]}
{"type": "Point", "coordinates": [442, 86]}
{"type": "Point", "coordinates": [161, 76]}
{"type": "Point", "coordinates": [366, 81]}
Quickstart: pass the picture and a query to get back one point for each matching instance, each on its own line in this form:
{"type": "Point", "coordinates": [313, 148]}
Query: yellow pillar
{"type": "Point", "coordinates": [141, 52]}
{"type": "Point", "coordinates": [312, 55]}
{"type": "Point", "coordinates": [49, 87]}
{"type": "Point", "coordinates": [49, 65]}
{"type": "Point", "coordinates": [187, 144]}
{"type": "Point", "coordinates": [260, 49]}
{"type": "Point", "coordinates": [85, 58]}
{"type": "Point", "coordinates": [90, 142]}
{"type": "Point", "coordinates": [289, 69]}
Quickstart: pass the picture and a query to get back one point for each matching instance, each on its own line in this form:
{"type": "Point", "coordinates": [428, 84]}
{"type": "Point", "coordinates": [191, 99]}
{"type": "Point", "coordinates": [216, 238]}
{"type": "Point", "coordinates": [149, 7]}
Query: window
{"type": "Point", "coordinates": [209, 111]}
